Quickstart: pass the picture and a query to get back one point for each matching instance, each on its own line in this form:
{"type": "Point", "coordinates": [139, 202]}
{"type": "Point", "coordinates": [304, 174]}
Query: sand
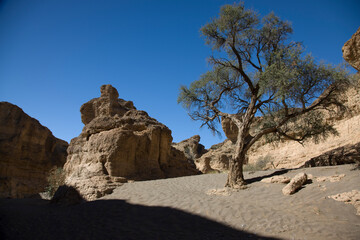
{"type": "Point", "coordinates": [196, 207]}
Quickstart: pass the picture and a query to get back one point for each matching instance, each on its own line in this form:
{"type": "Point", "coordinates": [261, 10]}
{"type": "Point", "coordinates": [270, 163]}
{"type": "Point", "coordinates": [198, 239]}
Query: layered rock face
{"type": "Point", "coordinates": [120, 143]}
{"type": "Point", "coordinates": [28, 151]}
{"type": "Point", "coordinates": [351, 50]}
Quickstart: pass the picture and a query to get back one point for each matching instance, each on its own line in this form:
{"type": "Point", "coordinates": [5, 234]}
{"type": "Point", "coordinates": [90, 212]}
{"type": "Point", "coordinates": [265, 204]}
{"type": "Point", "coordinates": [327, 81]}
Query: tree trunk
{"type": "Point", "coordinates": [235, 176]}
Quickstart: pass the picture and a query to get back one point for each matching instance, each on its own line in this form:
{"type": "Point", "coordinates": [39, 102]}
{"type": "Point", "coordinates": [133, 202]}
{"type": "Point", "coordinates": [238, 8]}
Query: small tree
{"type": "Point", "coordinates": [260, 77]}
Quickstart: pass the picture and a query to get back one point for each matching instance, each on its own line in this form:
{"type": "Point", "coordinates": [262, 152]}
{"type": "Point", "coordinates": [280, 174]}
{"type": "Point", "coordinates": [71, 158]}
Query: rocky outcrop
{"type": "Point", "coordinates": [351, 50]}
{"type": "Point", "coordinates": [28, 151]}
{"type": "Point", "coordinates": [352, 198]}
{"type": "Point", "coordinates": [295, 184]}
{"type": "Point", "coordinates": [66, 195]}
{"type": "Point", "coordinates": [120, 143]}
{"type": "Point", "coordinates": [108, 105]}
{"type": "Point", "coordinates": [230, 129]}
{"type": "Point", "coordinates": [341, 155]}
{"type": "Point", "coordinates": [191, 147]}
{"type": "Point", "coordinates": [217, 158]}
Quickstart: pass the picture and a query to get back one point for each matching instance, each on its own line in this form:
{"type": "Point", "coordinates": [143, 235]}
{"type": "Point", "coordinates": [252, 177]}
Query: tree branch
{"type": "Point", "coordinates": [240, 69]}
{"type": "Point", "coordinates": [274, 129]}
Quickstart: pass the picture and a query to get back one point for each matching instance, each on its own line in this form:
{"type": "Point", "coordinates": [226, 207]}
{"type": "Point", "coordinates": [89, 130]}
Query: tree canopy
{"type": "Point", "coordinates": [260, 76]}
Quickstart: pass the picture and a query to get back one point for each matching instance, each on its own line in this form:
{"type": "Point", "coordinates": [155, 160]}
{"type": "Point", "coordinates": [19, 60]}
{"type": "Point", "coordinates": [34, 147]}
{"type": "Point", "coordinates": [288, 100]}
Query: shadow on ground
{"type": "Point", "coordinates": [276, 173]}
{"type": "Point", "coordinates": [106, 219]}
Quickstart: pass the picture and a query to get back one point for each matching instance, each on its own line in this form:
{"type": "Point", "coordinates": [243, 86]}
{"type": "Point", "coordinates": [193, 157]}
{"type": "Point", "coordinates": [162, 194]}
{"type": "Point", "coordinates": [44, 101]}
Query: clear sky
{"type": "Point", "coordinates": [55, 54]}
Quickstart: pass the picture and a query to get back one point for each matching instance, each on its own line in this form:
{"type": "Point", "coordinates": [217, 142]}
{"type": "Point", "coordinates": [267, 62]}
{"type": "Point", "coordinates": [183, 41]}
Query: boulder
{"type": "Point", "coordinates": [120, 143]}
{"type": "Point", "coordinates": [66, 195]}
{"type": "Point", "coordinates": [295, 184]}
{"type": "Point", "coordinates": [28, 151]}
{"type": "Point", "coordinates": [351, 50]}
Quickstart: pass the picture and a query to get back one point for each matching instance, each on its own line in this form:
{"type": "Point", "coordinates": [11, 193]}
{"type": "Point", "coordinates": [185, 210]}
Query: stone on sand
{"type": "Point", "coordinates": [295, 184]}
{"type": "Point", "coordinates": [352, 198]}
{"type": "Point", "coordinates": [334, 178]}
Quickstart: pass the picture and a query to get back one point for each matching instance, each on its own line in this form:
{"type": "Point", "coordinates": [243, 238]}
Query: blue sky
{"type": "Point", "coordinates": [55, 55]}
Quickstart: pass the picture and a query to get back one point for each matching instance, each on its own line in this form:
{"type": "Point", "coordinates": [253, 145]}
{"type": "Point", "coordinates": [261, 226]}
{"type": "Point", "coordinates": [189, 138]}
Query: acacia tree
{"type": "Point", "coordinates": [259, 77]}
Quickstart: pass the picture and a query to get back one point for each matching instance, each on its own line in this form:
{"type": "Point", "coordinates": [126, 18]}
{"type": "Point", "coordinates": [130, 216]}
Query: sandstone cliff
{"type": "Point", "coordinates": [120, 143]}
{"type": "Point", "coordinates": [28, 151]}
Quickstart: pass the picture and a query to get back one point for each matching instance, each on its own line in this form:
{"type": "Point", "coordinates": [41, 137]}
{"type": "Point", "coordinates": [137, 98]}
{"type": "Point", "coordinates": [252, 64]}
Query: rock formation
{"type": "Point", "coordinates": [230, 129]}
{"type": "Point", "coordinates": [295, 184]}
{"type": "Point", "coordinates": [120, 143]}
{"type": "Point", "coordinates": [28, 151]}
{"type": "Point", "coordinates": [351, 50]}
{"type": "Point", "coordinates": [334, 178]}
{"type": "Point", "coordinates": [191, 147]}
{"type": "Point", "coordinates": [341, 155]}
{"type": "Point", "coordinates": [66, 195]}
{"type": "Point", "coordinates": [217, 158]}
{"type": "Point", "coordinates": [352, 198]}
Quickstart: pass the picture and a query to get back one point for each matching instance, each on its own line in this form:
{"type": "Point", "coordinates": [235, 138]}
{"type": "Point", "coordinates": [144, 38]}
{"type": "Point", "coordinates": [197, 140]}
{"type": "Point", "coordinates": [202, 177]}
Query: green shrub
{"type": "Point", "coordinates": [55, 179]}
{"type": "Point", "coordinates": [259, 165]}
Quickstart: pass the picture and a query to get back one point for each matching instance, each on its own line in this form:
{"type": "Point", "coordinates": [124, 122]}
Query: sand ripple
{"type": "Point", "coordinates": [262, 208]}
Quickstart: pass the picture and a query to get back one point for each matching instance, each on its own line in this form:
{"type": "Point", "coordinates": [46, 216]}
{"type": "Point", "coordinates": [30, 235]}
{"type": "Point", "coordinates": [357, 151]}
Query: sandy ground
{"type": "Point", "coordinates": [195, 207]}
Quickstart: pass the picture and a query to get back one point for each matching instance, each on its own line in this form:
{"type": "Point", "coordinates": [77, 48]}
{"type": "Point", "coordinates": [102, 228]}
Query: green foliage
{"type": "Point", "coordinates": [232, 19]}
{"type": "Point", "coordinates": [55, 179]}
{"type": "Point", "coordinates": [258, 71]}
{"type": "Point", "coordinates": [259, 165]}
{"type": "Point", "coordinates": [201, 93]}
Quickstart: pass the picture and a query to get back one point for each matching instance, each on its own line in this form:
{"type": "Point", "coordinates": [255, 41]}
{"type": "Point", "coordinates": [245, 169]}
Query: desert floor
{"type": "Point", "coordinates": [196, 207]}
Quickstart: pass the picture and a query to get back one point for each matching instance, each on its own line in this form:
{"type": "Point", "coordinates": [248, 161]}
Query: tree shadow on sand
{"type": "Point", "coordinates": [106, 219]}
{"type": "Point", "coordinates": [276, 173]}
